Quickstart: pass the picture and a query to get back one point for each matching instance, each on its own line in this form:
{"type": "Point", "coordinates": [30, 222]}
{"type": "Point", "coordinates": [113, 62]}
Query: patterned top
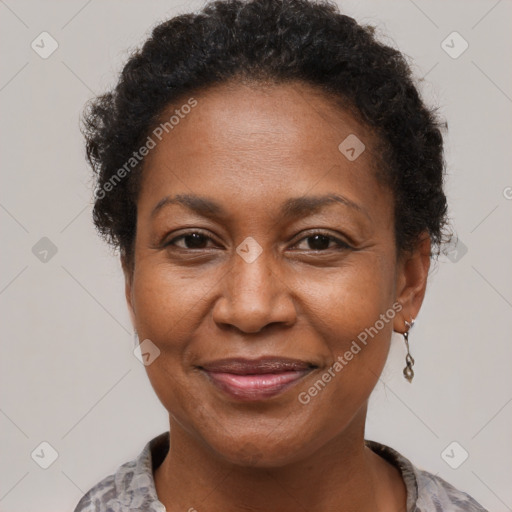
{"type": "Point", "coordinates": [132, 487]}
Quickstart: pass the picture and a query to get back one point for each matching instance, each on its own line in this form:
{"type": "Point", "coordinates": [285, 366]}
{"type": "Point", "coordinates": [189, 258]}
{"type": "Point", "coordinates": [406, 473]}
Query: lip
{"type": "Point", "coordinates": [256, 379]}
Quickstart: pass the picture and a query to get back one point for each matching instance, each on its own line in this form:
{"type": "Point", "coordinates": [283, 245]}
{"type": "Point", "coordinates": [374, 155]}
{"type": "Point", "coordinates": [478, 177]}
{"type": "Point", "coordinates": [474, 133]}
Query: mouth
{"type": "Point", "coordinates": [256, 379]}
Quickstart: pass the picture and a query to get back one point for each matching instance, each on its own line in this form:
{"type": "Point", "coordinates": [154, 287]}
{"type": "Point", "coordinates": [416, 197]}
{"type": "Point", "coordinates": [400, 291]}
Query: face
{"type": "Point", "coordinates": [258, 238]}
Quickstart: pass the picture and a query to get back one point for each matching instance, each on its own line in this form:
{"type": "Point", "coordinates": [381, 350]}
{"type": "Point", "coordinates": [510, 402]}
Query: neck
{"type": "Point", "coordinates": [342, 475]}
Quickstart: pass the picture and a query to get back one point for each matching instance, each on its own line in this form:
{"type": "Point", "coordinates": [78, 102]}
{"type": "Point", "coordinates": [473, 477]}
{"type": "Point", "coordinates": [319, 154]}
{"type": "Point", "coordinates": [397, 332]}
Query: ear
{"type": "Point", "coordinates": [128, 288]}
{"type": "Point", "coordinates": [412, 273]}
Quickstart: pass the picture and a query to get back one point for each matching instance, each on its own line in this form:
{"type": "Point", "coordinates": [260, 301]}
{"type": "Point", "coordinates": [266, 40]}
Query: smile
{"type": "Point", "coordinates": [253, 380]}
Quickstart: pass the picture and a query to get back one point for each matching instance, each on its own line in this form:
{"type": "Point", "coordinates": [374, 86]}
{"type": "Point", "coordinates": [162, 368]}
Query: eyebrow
{"type": "Point", "coordinates": [293, 207]}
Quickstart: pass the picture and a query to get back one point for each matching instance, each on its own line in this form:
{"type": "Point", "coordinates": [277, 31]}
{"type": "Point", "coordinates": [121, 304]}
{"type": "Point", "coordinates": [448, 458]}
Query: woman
{"type": "Point", "coordinates": [275, 186]}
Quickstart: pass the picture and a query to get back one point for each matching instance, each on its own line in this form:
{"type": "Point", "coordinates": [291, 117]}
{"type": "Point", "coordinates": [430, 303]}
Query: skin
{"type": "Point", "coordinates": [250, 149]}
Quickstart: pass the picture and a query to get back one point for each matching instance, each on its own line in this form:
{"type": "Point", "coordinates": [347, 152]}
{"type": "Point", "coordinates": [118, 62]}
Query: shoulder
{"type": "Point", "coordinates": [435, 493]}
{"type": "Point", "coordinates": [106, 494]}
{"type": "Point", "coordinates": [98, 497]}
{"type": "Point", "coordinates": [131, 487]}
{"type": "Point", "coordinates": [426, 492]}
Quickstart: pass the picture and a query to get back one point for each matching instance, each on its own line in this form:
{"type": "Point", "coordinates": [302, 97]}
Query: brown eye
{"type": "Point", "coordinates": [193, 240]}
{"type": "Point", "coordinates": [321, 242]}
{"type": "Point", "coordinates": [318, 242]}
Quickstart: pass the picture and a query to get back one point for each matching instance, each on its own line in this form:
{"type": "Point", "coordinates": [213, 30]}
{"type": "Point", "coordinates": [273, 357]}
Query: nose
{"type": "Point", "coordinates": [254, 296]}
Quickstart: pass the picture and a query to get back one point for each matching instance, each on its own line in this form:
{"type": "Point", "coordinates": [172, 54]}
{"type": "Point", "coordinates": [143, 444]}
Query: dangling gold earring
{"type": "Point", "coordinates": [409, 360]}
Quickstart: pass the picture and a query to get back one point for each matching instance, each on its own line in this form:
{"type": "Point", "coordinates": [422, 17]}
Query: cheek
{"type": "Point", "coordinates": [343, 303]}
{"type": "Point", "coordinates": [353, 316]}
{"type": "Point", "coordinates": [169, 310]}
{"type": "Point", "coordinates": [168, 305]}
{"type": "Point", "coordinates": [336, 307]}
{"type": "Point", "coordinates": [356, 336]}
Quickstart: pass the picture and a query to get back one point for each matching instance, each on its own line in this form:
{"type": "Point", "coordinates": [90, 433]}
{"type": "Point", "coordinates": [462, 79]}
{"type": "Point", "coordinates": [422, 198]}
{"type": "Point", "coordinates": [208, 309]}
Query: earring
{"type": "Point", "coordinates": [409, 360]}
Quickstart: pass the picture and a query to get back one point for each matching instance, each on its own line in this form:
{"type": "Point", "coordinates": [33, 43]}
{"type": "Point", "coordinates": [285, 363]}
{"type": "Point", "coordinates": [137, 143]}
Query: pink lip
{"type": "Point", "coordinates": [252, 380]}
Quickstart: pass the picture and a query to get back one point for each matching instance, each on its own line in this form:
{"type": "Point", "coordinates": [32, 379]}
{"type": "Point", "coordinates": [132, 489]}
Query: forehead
{"type": "Point", "coordinates": [258, 144]}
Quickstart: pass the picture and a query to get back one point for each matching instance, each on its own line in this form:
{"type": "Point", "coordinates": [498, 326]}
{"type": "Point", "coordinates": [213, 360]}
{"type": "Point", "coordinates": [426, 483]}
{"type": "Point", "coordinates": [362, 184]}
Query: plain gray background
{"type": "Point", "coordinates": [68, 373]}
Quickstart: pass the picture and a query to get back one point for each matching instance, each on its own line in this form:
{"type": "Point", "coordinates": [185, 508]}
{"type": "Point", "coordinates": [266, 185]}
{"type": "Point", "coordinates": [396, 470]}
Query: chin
{"type": "Point", "coordinates": [260, 452]}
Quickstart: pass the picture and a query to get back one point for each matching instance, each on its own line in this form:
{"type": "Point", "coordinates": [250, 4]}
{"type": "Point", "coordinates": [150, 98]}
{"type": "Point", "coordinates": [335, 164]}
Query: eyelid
{"type": "Point", "coordinates": [187, 233]}
{"type": "Point", "coordinates": [340, 242]}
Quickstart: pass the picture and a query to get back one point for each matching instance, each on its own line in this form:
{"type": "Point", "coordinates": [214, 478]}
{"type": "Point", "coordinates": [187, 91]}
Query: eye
{"type": "Point", "coordinates": [322, 242]}
{"type": "Point", "coordinates": [191, 240]}
{"type": "Point", "coordinates": [313, 242]}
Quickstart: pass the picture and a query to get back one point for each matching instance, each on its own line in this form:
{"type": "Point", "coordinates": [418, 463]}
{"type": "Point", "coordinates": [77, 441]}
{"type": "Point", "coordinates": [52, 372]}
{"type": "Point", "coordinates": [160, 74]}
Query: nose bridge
{"type": "Point", "coordinates": [250, 285]}
{"type": "Point", "coordinates": [250, 279]}
{"type": "Point", "coordinates": [253, 295]}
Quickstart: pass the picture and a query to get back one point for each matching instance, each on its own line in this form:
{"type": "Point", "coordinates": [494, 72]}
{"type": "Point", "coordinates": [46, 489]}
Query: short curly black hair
{"type": "Point", "coordinates": [281, 41]}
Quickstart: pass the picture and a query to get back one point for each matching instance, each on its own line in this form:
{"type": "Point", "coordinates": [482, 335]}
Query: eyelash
{"type": "Point", "coordinates": [341, 245]}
